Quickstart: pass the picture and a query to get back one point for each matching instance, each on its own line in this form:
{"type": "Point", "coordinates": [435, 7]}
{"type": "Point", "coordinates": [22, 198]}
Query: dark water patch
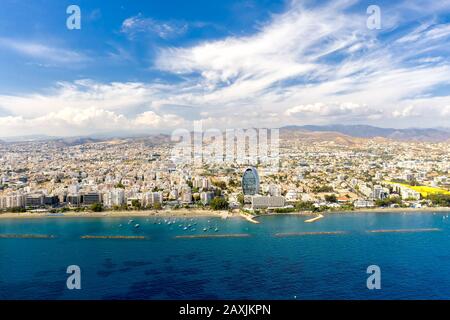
{"type": "Point", "coordinates": [191, 256]}
{"type": "Point", "coordinates": [105, 273]}
{"type": "Point", "coordinates": [153, 272]}
{"type": "Point", "coordinates": [109, 264]}
{"type": "Point", "coordinates": [137, 263]}
{"type": "Point", "coordinates": [28, 289]}
{"type": "Point", "coordinates": [165, 287]}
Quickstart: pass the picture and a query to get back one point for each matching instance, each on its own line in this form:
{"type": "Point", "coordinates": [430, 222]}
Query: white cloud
{"type": "Point", "coordinates": [70, 121]}
{"type": "Point", "coordinates": [42, 51]}
{"type": "Point", "coordinates": [405, 113]}
{"type": "Point", "coordinates": [308, 65]}
{"type": "Point", "coordinates": [163, 29]}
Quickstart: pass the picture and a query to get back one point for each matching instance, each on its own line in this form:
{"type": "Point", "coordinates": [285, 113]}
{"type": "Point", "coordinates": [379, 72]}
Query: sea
{"type": "Point", "coordinates": [281, 258]}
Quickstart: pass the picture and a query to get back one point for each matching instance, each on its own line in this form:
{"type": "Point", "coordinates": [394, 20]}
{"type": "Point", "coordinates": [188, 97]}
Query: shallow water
{"type": "Point", "coordinates": [280, 258]}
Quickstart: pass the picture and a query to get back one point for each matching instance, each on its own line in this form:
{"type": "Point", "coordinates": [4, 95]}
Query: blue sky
{"type": "Point", "coordinates": [150, 66]}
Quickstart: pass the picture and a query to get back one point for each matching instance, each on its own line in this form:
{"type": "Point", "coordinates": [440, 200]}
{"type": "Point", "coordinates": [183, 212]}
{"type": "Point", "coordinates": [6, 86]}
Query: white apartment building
{"type": "Point", "coordinates": [12, 201]}
{"type": "Point", "coordinates": [115, 197]}
{"type": "Point", "coordinates": [206, 197]}
{"type": "Point", "coordinates": [151, 198]}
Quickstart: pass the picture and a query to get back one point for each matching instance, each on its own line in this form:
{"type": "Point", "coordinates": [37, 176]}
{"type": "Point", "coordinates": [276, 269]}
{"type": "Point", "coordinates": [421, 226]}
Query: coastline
{"type": "Point", "coordinates": [121, 214]}
{"type": "Point", "coordinates": [183, 213]}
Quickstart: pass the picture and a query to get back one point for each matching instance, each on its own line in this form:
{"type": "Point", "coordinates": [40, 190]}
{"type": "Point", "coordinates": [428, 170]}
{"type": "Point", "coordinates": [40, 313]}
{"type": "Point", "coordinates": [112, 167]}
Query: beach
{"type": "Point", "coordinates": [119, 214]}
{"type": "Point", "coordinates": [204, 213]}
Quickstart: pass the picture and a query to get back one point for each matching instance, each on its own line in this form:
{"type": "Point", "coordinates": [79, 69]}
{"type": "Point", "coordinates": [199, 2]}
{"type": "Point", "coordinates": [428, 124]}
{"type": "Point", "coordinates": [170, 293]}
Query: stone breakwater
{"type": "Point", "coordinates": [204, 236]}
{"type": "Point", "coordinates": [27, 236]}
{"type": "Point", "coordinates": [299, 234]}
{"type": "Point", "coordinates": [115, 237]}
{"type": "Point", "coordinates": [405, 230]}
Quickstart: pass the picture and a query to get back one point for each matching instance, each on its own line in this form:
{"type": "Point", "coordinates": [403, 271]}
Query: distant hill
{"type": "Point", "coordinates": [366, 131]}
{"type": "Point", "coordinates": [343, 134]}
{"type": "Point", "coordinates": [75, 141]}
{"type": "Point", "coordinates": [27, 138]}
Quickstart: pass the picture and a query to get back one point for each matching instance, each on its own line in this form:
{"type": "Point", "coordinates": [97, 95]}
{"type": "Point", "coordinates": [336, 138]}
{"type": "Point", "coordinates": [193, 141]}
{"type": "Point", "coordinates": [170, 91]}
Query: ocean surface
{"type": "Point", "coordinates": [271, 260]}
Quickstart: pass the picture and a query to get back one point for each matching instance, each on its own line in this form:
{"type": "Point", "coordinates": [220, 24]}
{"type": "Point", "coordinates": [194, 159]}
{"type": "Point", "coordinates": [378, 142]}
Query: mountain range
{"type": "Point", "coordinates": [366, 131]}
{"type": "Point", "coordinates": [310, 132]}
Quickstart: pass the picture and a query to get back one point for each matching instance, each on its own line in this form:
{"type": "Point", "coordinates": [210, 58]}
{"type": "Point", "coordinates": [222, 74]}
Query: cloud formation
{"type": "Point", "coordinates": [162, 29]}
{"type": "Point", "coordinates": [312, 64]}
{"type": "Point", "coordinates": [42, 51]}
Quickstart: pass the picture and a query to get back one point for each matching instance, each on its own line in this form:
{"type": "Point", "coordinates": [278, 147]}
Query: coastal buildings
{"type": "Point", "coordinates": [115, 197]}
{"type": "Point", "coordinates": [121, 172]}
{"type": "Point", "coordinates": [266, 202]}
{"type": "Point", "coordinates": [12, 201]}
{"type": "Point", "coordinates": [150, 199]}
{"type": "Point", "coordinates": [206, 197]}
{"type": "Point", "coordinates": [364, 203]}
{"type": "Point", "coordinates": [250, 181]}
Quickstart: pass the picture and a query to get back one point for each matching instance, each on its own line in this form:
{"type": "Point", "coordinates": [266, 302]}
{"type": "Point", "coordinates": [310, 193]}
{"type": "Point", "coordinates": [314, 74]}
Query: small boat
{"type": "Point", "coordinates": [130, 221]}
{"type": "Point", "coordinates": [137, 225]}
{"type": "Point", "coordinates": [216, 229]}
{"type": "Point", "coordinates": [204, 229]}
{"type": "Point", "coordinates": [185, 228]}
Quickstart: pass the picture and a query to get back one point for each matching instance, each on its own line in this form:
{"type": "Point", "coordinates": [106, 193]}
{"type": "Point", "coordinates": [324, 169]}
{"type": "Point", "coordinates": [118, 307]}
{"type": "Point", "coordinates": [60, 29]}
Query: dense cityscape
{"type": "Point", "coordinates": [315, 173]}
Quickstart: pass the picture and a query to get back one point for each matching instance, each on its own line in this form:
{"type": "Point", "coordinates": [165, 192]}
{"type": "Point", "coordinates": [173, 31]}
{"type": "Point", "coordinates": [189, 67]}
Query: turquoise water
{"type": "Point", "coordinates": [414, 265]}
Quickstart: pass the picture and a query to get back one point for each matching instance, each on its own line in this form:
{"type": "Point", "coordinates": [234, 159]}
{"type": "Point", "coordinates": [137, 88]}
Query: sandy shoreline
{"type": "Point", "coordinates": [121, 214]}
{"type": "Point", "coordinates": [200, 213]}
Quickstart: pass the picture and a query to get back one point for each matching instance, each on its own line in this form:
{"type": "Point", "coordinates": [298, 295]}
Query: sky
{"type": "Point", "coordinates": [157, 66]}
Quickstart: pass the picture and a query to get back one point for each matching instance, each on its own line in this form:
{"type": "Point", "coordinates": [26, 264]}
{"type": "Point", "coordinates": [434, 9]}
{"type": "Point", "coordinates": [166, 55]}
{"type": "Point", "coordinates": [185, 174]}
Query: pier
{"type": "Point", "coordinates": [320, 216]}
{"type": "Point", "coordinates": [249, 218]}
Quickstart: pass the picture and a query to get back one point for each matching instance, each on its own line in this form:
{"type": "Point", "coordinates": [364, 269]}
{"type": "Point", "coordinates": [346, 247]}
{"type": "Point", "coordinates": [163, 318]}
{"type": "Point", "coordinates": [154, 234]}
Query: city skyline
{"type": "Point", "coordinates": [158, 67]}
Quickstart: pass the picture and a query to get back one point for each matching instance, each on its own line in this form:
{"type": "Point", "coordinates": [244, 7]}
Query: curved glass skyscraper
{"type": "Point", "coordinates": [250, 181]}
